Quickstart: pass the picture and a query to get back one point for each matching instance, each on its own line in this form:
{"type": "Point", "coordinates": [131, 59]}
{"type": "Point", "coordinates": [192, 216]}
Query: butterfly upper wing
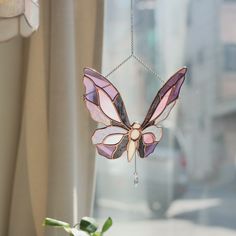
{"type": "Point", "coordinates": [111, 141]}
{"type": "Point", "coordinates": [103, 100]}
{"type": "Point", "coordinates": [106, 106]}
{"type": "Point", "coordinates": [158, 111]}
{"type": "Point", "coordinates": [165, 99]}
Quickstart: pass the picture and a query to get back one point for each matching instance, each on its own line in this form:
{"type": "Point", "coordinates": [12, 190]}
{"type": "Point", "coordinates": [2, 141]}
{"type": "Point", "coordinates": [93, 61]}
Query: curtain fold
{"type": "Point", "coordinates": [11, 88]}
{"type": "Point", "coordinates": [47, 160]}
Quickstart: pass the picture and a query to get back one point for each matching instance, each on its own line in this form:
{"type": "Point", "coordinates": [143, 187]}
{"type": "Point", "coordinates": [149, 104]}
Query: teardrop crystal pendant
{"type": "Point", "coordinates": [136, 180]}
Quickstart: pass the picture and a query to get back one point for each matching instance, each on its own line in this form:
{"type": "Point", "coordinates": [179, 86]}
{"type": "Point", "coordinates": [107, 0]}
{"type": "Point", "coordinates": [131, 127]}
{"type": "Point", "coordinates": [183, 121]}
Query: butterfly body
{"type": "Point", "coordinates": [106, 106]}
{"type": "Point", "coordinates": [135, 132]}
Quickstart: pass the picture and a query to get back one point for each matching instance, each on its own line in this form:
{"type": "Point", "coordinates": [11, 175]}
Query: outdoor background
{"type": "Point", "coordinates": [188, 186]}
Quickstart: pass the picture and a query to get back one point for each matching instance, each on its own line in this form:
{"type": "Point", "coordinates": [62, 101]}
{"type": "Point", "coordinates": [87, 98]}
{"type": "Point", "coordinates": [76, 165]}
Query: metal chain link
{"type": "Point", "coordinates": [132, 27]}
{"type": "Point", "coordinates": [147, 67]}
{"type": "Point", "coordinates": [118, 66]}
{"type": "Point", "coordinates": [133, 55]}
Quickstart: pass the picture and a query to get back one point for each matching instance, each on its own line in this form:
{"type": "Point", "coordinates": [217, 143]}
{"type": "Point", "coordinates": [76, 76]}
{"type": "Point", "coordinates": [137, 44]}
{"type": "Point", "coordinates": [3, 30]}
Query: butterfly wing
{"type": "Point", "coordinates": [104, 101]}
{"type": "Point", "coordinates": [111, 141]}
{"type": "Point", "coordinates": [165, 99]}
{"type": "Point", "coordinates": [159, 111]}
{"type": "Point", "coordinates": [149, 140]}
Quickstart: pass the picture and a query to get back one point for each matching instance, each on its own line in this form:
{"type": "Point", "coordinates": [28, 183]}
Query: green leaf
{"type": "Point", "coordinates": [88, 224]}
{"type": "Point", "coordinates": [55, 223]}
{"type": "Point", "coordinates": [107, 225]}
{"type": "Point", "coordinates": [97, 234]}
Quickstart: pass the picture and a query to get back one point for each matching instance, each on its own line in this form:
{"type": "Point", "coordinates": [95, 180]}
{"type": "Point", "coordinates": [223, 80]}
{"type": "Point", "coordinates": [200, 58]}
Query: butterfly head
{"type": "Point", "coordinates": [135, 131]}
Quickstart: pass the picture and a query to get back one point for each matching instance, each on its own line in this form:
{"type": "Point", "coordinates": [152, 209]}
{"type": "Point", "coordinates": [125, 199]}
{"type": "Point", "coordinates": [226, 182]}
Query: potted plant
{"type": "Point", "coordinates": [86, 227]}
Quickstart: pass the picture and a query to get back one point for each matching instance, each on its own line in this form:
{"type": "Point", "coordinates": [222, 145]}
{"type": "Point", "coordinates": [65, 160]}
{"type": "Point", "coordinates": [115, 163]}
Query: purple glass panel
{"type": "Point", "coordinates": [177, 88]}
{"type": "Point", "coordinates": [177, 78]}
{"type": "Point", "coordinates": [106, 150]}
{"type": "Point", "coordinates": [111, 91]}
{"type": "Point", "coordinates": [89, 85]}
{"type": "Point", "coordinates": [100, 83]}
{"type": "Point", "coordinates": [90, 91]}
{"type": "Point", "coordinates": [97, 114]}
{"type": "Point", "coordinates": [149, 148]}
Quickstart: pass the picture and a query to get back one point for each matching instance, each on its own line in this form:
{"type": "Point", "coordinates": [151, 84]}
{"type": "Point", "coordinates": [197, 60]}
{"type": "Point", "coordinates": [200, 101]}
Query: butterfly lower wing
{"type": "Point", "coordinates": [149, 140]}
{"type": "Point", "coordinates": [102, 96]}
{"type": "Point", "coordinates": [113, 151]}
{"type": "Point", "coordinates": [165, 99]}
{"type": "Point", "coordinates": [111, 141]}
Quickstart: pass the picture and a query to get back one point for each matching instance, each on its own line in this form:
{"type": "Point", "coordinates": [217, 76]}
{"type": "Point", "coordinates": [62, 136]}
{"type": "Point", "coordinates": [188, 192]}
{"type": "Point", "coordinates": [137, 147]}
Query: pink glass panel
{"type": "Point", "coordinates": [107, 106]}
{"type": "Point", "coordinates": [148, 138]}
{"type": "Point", "coordinates": [156, 131]}
{"type": "Point", "coordinates": [165, 113]}
{"type": "Point", "coordinates": [161, 106]}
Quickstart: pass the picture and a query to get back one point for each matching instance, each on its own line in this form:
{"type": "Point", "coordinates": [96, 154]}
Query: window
{"type": "Point", "coordinates": [187, 186]}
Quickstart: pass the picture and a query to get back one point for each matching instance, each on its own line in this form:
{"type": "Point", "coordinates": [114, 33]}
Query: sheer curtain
{"type": "Point", "coordinates": [46, 158]}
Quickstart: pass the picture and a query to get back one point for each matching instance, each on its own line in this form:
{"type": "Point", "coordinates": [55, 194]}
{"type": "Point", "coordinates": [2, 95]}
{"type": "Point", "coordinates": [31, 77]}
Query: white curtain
{"type": "Point", "coordinates": [46, 156]}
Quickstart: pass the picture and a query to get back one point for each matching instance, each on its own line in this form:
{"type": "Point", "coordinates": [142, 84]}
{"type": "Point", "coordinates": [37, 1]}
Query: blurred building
{"type": "Point", "coordinates": [209, 107]}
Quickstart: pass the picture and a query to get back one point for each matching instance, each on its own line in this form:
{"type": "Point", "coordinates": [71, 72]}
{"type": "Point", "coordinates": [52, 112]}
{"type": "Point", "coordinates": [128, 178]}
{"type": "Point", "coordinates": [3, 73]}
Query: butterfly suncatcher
{"type": "Point", "coordinates": [106, 106]}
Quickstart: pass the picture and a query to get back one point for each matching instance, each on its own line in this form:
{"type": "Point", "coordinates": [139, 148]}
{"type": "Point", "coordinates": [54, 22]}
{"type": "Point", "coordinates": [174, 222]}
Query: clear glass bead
{"type": "Point", "coordinates": [136, 180]}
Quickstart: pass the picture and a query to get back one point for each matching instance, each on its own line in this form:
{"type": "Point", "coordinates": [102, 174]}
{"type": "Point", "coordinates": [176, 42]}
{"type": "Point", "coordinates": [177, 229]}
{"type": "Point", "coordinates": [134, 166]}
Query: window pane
{"type": "Point", "coordinates": [187, 186]}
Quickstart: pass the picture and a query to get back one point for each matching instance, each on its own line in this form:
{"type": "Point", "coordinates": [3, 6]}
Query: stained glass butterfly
{"type": "Point", "coordinates": [106, 106]}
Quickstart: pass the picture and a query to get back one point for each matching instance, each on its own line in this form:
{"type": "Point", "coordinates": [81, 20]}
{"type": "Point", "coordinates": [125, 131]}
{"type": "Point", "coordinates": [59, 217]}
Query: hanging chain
{"type": "Point", "coordinates": [147, 67]}
{"type": "Point", "coordinates": [120, 65]}
{"type": "Point", "coordinates": [136, 179]}
{"type": "Point", "coordinates": [132, 27]}
{"type": "Point", "coordinates": [132, 48]}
